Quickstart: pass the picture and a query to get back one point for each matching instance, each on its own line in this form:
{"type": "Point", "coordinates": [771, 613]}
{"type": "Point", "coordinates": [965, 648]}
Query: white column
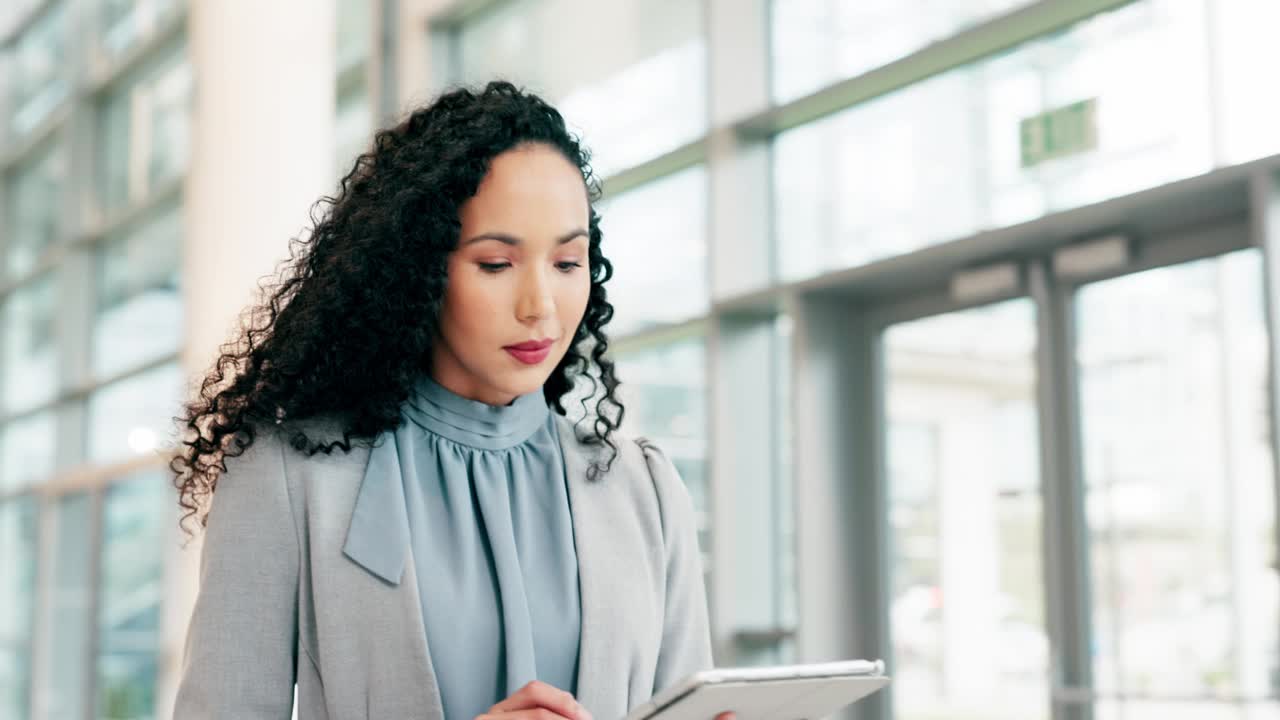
{"type": "Point", "coordinates": [262, 134]}
{"type": "Point", "coordinates": [738, 83]}
{"type": "Point", "coordinates": [969, 543]}
{"type": "Point", "coordinates": [744, 549]}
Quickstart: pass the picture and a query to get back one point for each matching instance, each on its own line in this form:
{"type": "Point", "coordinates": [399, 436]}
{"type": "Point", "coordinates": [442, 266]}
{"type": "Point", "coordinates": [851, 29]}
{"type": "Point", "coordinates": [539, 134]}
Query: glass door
{"type": "Point", "coordinates": [1179, 491]}
{"type": "Point", "coordinates": [961, 451]}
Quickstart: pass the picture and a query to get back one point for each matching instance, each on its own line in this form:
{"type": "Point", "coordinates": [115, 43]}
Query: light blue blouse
{"type": "Point", "coordinates": [493, 547]}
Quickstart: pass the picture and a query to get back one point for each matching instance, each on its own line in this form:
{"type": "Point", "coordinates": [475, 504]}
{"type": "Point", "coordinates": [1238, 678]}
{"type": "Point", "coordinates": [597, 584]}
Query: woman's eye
{"type": "Point", "coordinates": [494, 267]}
{"type": "Point", "coordinates": [568, 266]}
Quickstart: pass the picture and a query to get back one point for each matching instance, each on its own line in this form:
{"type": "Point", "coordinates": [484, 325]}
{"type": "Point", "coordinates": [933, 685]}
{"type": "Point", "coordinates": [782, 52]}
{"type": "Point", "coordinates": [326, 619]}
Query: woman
{"type": "Point", "coordinates": [398, 516]}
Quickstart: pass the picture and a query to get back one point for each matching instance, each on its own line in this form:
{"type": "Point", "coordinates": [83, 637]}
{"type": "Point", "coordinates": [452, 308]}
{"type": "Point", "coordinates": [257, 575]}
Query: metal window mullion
{"type": "Point", "coordinates": [75, 268]}
{"type": "Point", "coordinates": [93, 643]}
{"type": "Point", "coordinates": [778, 485]}
{"type": "Point", "coordinates": [867, 375]}
{"type": "Point", "coordinates": [6, 293]}
{"type": "Point", "coordinates": [719, 590]}
{"type": "Point", "coordinates": [1065, 540]}
{"type": "Point", "coordinates": [74, 324]}
{"type": "Point", "coordinates": [837, 552]}
{"type": "Point", "coordinates": [43, 607]}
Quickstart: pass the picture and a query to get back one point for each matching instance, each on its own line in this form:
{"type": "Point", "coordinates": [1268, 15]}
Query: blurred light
{"type": "Point", "coordinates": [142, 440]}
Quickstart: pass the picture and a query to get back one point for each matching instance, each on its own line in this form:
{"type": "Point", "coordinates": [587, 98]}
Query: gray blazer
{"type": "Point", "coordinates": [281, 604]}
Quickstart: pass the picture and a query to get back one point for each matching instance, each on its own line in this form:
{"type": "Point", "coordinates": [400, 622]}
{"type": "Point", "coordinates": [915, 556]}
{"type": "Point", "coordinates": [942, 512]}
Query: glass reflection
{"type": "Point", "coordinates": [967, 604]}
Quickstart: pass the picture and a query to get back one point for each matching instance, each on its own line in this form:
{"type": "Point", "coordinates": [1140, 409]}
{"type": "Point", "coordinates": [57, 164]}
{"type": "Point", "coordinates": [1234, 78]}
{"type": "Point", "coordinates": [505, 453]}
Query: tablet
{"type": "Point", "coordinates": [789, 692]}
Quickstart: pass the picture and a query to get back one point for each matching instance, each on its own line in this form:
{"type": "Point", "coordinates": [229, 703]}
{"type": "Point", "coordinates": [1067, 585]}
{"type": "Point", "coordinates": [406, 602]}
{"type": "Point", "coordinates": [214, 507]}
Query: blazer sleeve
{"type": "Point", "coordinates": [686, 634]}
{"type": "Point", "coordinates": [239, 659]}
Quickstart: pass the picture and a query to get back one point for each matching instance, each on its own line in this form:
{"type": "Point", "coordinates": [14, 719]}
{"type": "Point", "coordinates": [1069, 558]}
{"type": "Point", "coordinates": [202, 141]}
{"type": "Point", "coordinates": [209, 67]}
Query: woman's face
{"type": "Point", "coordinates": [519, 278]}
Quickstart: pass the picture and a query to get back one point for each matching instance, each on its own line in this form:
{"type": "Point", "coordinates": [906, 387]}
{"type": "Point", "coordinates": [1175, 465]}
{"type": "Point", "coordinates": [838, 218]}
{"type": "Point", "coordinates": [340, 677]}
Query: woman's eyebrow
{"type": "Point", "coordinates": [512, 240]}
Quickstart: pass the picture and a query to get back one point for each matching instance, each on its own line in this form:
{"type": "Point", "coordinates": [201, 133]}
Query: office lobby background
{"type": "Point", "coordinates": [958, 317]}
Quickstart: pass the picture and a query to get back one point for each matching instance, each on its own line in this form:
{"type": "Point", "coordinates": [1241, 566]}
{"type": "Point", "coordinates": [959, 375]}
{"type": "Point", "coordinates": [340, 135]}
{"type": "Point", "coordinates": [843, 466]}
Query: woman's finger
{"type": "Point", "coordinates": [524, 714]}
{"type": "Point", "coordinates": [538, 694]}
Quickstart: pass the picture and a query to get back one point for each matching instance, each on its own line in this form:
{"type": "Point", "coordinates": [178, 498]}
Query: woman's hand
{"type": "Point", "coordinates": [538, 701]}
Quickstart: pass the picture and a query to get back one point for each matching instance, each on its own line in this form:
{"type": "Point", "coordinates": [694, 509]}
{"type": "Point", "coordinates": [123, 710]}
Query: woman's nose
{"type": "Point", "coordinates": [535, 301]}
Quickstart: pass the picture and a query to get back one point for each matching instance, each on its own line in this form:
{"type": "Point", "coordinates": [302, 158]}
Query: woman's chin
{"type": "Point", "coordinates": [522, 380]}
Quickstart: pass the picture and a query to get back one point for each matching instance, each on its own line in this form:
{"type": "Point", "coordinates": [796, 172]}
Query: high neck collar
{"type": "Point", "coordinates": [439, 410]}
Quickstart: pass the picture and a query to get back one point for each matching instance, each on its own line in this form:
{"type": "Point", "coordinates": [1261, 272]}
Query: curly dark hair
{"type": "Point", "coordinates": [346, 325]}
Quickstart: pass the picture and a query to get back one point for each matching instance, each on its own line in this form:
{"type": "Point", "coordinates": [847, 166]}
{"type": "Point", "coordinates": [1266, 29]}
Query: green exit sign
{"type": "Point", "coordinates": [1060, 132]}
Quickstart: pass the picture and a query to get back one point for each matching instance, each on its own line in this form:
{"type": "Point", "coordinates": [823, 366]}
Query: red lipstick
{"type": "Point", "coordinates": [530, 352]}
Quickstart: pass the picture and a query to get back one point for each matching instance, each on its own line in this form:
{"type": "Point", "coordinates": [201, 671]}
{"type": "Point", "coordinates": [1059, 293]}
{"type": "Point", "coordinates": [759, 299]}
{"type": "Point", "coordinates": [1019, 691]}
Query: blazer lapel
{"type": "Point", "coordinates": [377, 540]}
{"type": "Point", "coordinates": [424, 696]}
{"type": "Point", "coordinates": [599, 677]}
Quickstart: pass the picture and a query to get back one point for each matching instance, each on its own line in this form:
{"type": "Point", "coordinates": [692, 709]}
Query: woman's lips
{"type": "Point", "coordinates": [529, 353]}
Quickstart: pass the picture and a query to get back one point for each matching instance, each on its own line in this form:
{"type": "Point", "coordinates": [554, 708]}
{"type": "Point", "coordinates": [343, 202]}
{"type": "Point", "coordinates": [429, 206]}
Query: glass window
{"type": "Point", "coordinates": [943, 159]}
{"type": "Point", "coordinates": [38, 70]}
{"type": "Point", "coordinates": [656, 238]}
{"type": "Point", "coordinates": [355, 28]}
{"type": "Point", "coordinates": [635, 86]}
{"type": "Point", "coordinates": [70, 609]}
{"type": "Point", "coordinates": [134, 416]}
{"type": "Point", "coordinates": [35, 208]}
{"type": "Point", "coordinates": [136, 518]}
{"type": "Point", "coordinates": [1180, 494]}
{"type": "Point", "coordinates": [143, 132]}
{"type": "Point", "coordinates": [138, 316]}
{"type": "Point", "coordinates": [30, 365]}
{"type": "Point", "coordinates": [27, 447]}
{"type": "Point", "coordinates": [665, 393]}
{"type": "Point", "coordinates": [1245, 42]}
{"type": "Point", "coordinates": [817, 42]}
{"type": "Point", "coordinates": [353, 126]}
{"type": "Point", "coordinates": [125, 22]}
{"type": "Point", "coordinates": [967, 595]}
{"type": "Point", "coordinates": [18, 536]}
{"type": "Point", "coordinates": [12, 12]}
